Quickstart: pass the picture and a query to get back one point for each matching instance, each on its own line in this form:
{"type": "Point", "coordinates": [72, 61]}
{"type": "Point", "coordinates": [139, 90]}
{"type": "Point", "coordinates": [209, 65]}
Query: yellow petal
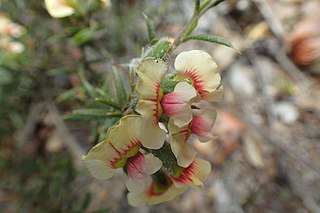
{"type": "Point", "coordinates": [150, 73]}
{"type": "Point", "coordinates": [184, 153]}
{"type": "Point", "coordinates": [153, 164]}
{"type": "Point", "coordinates": [58, 8]}
{"type": "Point", "coordinates": [152, 136]}
{"type": "Point", "coordinates": [125, 137]}
{"type": "Point", "coordinates": [216, 95]}
{"type": "Point", "coordinates": [201, 69]}
{"type": "Point", "coordinates": [202, 172]}
{"type": "Point", "coordinates": [193, 175]}
{"type": "Point", "coordinates": [188, 91]}
{"type": "Point", "coordinates": [135, 186]}
{"type": "Point", "coordinates": [100, 160]}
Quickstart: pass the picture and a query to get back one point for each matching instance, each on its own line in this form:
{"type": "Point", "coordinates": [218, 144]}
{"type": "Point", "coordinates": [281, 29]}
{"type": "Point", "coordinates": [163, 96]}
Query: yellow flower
{"type": "Point", "coordinates": [162, 187]}
{"type": "Point", "coordinates": [59, 8]}
{"type": "Point", "coordinates": [201, 71]}
{"type": "Point", "coordinates": [121, 149]}
{"type": "Point", "coordinates": [153, 103]}
{"type": "Point", "coordinates": [193, 175]}
{"type": "Point", "coordinates": [159, 189]}
{"type": "Point", "coordinates": [200, 125]}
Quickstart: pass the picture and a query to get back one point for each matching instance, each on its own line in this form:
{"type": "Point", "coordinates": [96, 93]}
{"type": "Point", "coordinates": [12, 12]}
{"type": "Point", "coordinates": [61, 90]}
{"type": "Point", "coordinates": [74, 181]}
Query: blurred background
{"type": "Point", "coordinates": [266, 152]}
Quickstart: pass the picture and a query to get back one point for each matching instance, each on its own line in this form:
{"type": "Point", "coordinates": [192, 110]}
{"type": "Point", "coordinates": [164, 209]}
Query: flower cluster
{"type": "Point", "coordinates": [9, 33]}
{"type": "Point", "coordinates": [152, 145]}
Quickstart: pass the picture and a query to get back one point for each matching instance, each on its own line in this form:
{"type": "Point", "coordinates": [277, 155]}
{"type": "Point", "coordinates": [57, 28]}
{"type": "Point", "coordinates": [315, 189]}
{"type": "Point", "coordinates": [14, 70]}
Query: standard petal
{"type": "Point", "coordinates": [125, 137]}
{"type": "Point", "coordinates": [193, 175]}
{"type": "Point", "coordinates": [149, 110]}
{"type": "Point", "coordinates": [202, 123]}
{"type": "Point", "coordinates": [150, 72]}
{"type": "Point", "coordinates": [102, 160]}
{"type": "Point", "coordinates": [58, 8]}
{"type": "Point", "coordinates": [152, 136]}
{"type": "Point", "coordinates": [200, 68]}
{"type": "Point", "coordinates": [184, 153]}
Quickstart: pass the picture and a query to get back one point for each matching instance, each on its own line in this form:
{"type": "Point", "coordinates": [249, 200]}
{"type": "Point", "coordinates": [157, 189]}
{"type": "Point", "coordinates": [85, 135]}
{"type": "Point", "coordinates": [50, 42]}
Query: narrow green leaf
{"type": "Point", "coordinates": [83, 36]}
{"type": "Point", "coordinates": [96, 112]}
{"type": "Point", "coordinates": [106, 99]}
{"type": "Point", "coordinates": [87, 86]}
{"type": "Point", "coordinates": [77, 117]}
{"type": "Point", "coordinates": [108, 102]}
{"type": "Point", "coordinates": [121, 92]}
{"type": "Point", "coordinates": [212, 39]}
{"type": "Point", "coordinates": [59, 71]}
{"type": "Point", "coordinates": [90, 114]}
{"type": "Point", "coordinates": [69, 94]}
{"type": "Point", "coordinates": [151, 31]}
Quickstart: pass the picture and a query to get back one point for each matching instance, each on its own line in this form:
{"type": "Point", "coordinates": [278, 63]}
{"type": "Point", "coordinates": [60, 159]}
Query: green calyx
{"type": "Point", "coordinates": [168, 84]}
{"type": "Point", "coordinates": [160, 50]}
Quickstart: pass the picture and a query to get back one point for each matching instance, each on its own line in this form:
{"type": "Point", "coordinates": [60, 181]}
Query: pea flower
{"type": "Point", "coordinates": [153, 103]}
{"type": "Point", "coordinates": [59, 8]}
{"type": "Point", "coordinates": [121, 149]}
{"type": "Point", "coordinates": [201, 71]}
{"type": "Point", "coordinates": [164, 187]}
{"type": "Point", "coordinates": [201, 125]}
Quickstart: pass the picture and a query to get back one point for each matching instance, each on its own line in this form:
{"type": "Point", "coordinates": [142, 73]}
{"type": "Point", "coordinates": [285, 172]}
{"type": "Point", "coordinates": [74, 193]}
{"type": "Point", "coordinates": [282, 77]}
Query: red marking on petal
{"type": "Point", "coordinates": [123, 153]}
{"type": "Point", "coordinates": [186, 174]}
{"type": "Point", "coordinates": [197, 81]}
{"type": "Point", "coordinates": [156, 105]}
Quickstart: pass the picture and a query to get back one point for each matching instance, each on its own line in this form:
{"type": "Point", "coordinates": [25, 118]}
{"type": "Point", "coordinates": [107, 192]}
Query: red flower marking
{"type": "Point", "coordinates": [197, 81]}
{"type": "Point", "coordinates": [123, 153]}
{"type": "Point", "coordinates": [156, 102]}
{"type": "Point", "coordinates": [186, 174]}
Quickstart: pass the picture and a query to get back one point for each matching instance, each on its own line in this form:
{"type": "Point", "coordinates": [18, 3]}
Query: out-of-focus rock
{"type": "Point", "coordinates": [242, 80]}
{"type": "Point", "coordinates": [285, 111]}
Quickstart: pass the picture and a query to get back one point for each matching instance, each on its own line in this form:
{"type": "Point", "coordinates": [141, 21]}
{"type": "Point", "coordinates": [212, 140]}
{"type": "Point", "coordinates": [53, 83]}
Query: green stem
{"type": "Point", "coordinates": [200, 9]}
